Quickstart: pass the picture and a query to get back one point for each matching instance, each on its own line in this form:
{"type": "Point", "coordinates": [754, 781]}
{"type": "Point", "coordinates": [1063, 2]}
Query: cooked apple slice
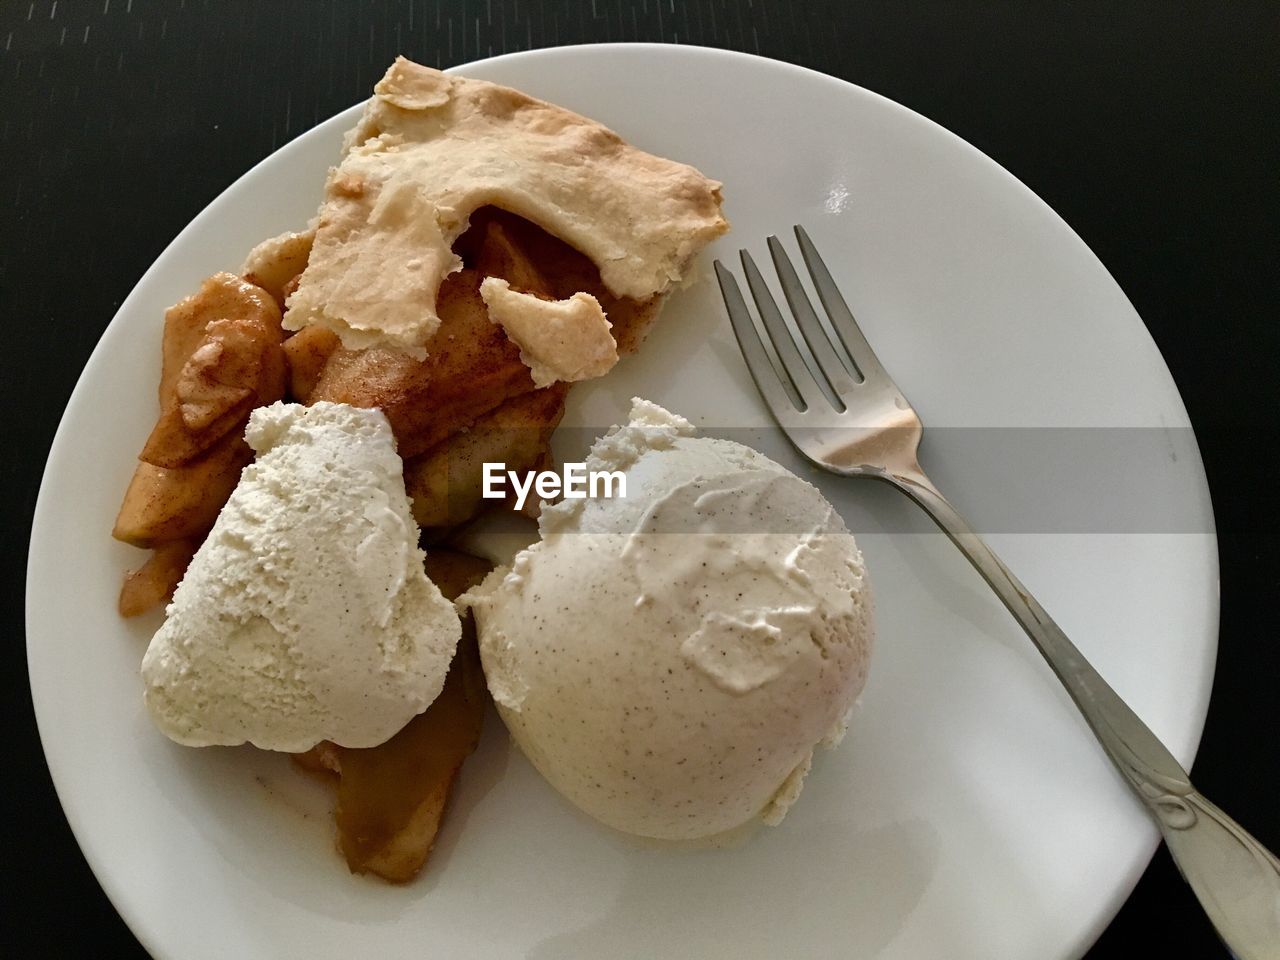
{"type": "Point", "coordinates": [164, 504]}
{"type": "Point", "coordinates": [209, 384]}
{"type": "Point", "coordinates": [490, 246]}
{"type": "Point", "coordinates": [275, 264]}
{"type": "Point", "coordinates": [392, 797]}
{"type": "Point", "coordinates": [446, 482]}
{"type": "Point", "coordinates": [455, 572]}
{"type": "Point", "coordinates": [221, 357]}
{"type": "Point", "coordinates": [470, 369]}
{"type": "Point", "coordinates": [153, 583]}
{"type": "Point", "coordinates": [307, 352]}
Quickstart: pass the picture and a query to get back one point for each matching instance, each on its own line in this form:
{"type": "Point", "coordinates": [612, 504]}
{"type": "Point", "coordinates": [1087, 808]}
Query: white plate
{"type": "Point", "coordinates": [969, 814]}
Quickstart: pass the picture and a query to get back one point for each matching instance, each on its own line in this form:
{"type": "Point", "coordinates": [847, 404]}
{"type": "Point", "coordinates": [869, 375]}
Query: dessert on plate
{"type": "Point", "coordinates": [482, 182]}
{"type": "Point", "coordinates": [668, 661]}
{"type": "Point", "coordinates": [430, 150]}
{"type": "Point", "coordinates": [476, 251]}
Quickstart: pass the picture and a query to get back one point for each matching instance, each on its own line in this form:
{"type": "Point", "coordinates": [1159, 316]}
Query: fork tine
{"type": "Point", "coordinates": [783, 343]}
{"type": "Point", "coordinates": [782, 405]}
{"type": "Point", "coordinates": [838, 311]}
{"type": "Point", "coordinates": [807, 320]}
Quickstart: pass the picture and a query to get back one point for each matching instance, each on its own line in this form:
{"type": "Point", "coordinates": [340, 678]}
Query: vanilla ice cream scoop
{"type": "Point", "coordinates": [669, 660]}
{"type": "Point", "coordinates": [306, 615]}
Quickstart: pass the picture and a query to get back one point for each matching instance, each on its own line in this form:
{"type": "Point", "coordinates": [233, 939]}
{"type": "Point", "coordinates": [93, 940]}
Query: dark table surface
{"type": "Point", "coordinates": [1153, 128]}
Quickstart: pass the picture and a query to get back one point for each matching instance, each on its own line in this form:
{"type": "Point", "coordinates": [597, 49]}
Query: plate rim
{"type": "Point", "coordinates": [112, 886]}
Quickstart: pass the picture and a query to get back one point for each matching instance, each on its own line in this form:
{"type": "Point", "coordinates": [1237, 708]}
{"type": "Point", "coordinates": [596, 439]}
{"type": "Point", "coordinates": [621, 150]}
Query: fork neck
{"type": "Point", "coordinates": [910, 478]}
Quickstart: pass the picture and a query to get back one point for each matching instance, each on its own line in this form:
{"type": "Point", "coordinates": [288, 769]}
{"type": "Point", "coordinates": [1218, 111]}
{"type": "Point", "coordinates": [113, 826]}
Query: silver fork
{"type": "Point", "coordinates": [863, 426]}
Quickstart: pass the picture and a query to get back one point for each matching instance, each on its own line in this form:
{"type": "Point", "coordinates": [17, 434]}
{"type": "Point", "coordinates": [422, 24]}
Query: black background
{"type": "Point", "coordinates": [1150, 127]}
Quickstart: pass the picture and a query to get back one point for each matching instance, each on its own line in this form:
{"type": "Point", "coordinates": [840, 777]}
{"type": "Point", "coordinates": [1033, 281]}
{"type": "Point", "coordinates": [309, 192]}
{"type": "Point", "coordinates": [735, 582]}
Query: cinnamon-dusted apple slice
{"type": "Point", "coordinates": [274, 264]}
{"type": "Point", "coordinates": [392, 797]}
{"type": "Point", "coordinates": [471, 367]}
{"type": "Point", "coordinates": [446, 482]}
{"type": "Point", "coordinates": [163, 504]}
{"type": "Point", "coordinates": [153, 583]}
{"type": "Point", "coordinates": [222, 357]}
{"type": "Point", "coordinates": [307, 353]}
{"type": "Point", "coordinates": [209, 384]}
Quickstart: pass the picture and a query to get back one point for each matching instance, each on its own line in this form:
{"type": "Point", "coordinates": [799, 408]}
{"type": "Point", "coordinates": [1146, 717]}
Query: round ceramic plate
{"type": "Point", "coordinates": [968, 813]}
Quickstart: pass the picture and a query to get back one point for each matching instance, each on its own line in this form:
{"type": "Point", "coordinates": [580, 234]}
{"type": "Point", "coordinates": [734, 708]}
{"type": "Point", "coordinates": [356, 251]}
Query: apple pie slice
{"type": "Point", "coordinates": [476, 252]}
{"type": "Point", "coordinates": [430, 150]}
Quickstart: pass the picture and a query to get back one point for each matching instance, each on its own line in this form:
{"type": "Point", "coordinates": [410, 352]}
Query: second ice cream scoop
{"type": "Point", "coordinates": [670, 659]}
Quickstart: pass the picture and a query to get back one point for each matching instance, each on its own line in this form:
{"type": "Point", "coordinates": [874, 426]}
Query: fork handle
{"type": "Point", "coordinates": [1236, 879]}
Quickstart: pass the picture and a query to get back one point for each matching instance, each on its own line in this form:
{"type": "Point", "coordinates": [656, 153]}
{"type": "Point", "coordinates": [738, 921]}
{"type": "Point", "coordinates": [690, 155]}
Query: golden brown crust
{"type": "Point", "coordinates": [559, 340]}
{"type": "Point", "coordinates": [430, 150]}
{"type": "Point", "coordinates": [515, 249]}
